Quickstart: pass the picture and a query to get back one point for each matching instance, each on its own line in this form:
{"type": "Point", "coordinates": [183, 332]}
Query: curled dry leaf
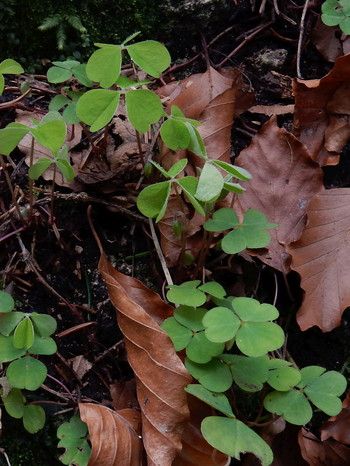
{"type": "Point", "coordinates": [337, 427]}
{"type": "Point", "coordinates": [321, 258]}
{"type": "Point", "coordinates": [160, 375]}
{"type": "Point", "coordinates": [113, 435]}
{"type": "Point", "coordinates": [322, 109]}
{"type": "Point", "coordinates": [318, 453]}
{"type": "Point", "coordinates": [284, 179]}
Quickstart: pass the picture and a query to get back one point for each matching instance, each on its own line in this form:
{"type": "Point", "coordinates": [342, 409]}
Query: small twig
{"type": "Point", "coordinates": [301, 37]}
{"type": "Point", "coordinates": [9, 184]}
{"type": "Point", "coordinates": [247, 39]}
{"type": "Point", "coordinates": [8, 104]}
{"type": "Point", "coordinates": [63, 386]}
{"type": "Point", "coordinates": [3, 452]}
{"type": "Point", "coordinates": [160, 253]}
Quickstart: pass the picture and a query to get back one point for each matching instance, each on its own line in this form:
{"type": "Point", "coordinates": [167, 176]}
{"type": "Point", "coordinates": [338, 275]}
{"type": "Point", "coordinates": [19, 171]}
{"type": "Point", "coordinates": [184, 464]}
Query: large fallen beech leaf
{"type": "Point", "coordinates": [318, 453]}
{"type": "Point", "coordinates": [322, 109]}
{"type": "Point", "coordinates": [321, 258]}
{"type": "Point", "coordinates": [284, 179]}
{"type": "Point", "coordinates": [113, 435]}
{"type": "Point", "coordinates": [214, 98]}
{"type": "Point", "coordinates": [337, 427]}
{"type": "Point", "coordinates": [160, 375]}
{"type": "Point", "coordinates": [196, 450]}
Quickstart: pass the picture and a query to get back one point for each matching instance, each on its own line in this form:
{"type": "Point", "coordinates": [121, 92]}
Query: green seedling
{"type": "Point", "coordinates": [73, 437]}
{"type": "Point", "coordinates": [64, 70]}
{"type": "Point", "coordinates": [337, 13]}
{"type": "Point", "coordinates": [8, 66]}
{"type": "Point", "coordinates": [23, 336]}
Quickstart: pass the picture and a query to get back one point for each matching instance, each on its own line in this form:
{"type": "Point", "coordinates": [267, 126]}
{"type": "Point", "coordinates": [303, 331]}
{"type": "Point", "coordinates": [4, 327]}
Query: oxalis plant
{"type": "Point", "coordinates": [228, 342]}
{"type": "Point", "coordinates": [337, 13]}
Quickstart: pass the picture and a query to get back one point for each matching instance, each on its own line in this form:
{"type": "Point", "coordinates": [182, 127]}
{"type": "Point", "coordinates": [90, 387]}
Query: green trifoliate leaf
{"type": "Point", "coordinates": [223, 219]}
{"type": "Point", "coordinates": [153, 199]}
{"type": "Point", "coordinates": [217, 400]}
{"type": "Point", "coordinates": [237, 172]}
{"type": "Point", "coordinates": [50, 134]}
{"type": "Point", "coordinates": [179, 335]}
{"type": "Point", "coordinates": [44, 324]}
{"type": "Point", "coordinates": [43, 346]}
{"type": "Point", "coordinates": [190, 317]}
{"type": "Point", "coordinates": [11, 136]}
{"type": "Point", "coordinates": [66, 169]}
{"type": "Point", "coordinates": [6, 303]}
{"type": "Point", "coordinates": [210, 183]}
{"type": "Point", "coordinates": [58, 102]}
{"type": "Point", "coordinates": [97, 107]}
{"type": "Point", "coordinates": [33, 418]}
{"type": "Point", "coordinates": [67, 64]}
{"type": "Point", "coordinates": [143, 108]}
{"type": "Point", "coordinates": [221, 324]}
{"type": "Point", "coordinates": [175, 134]}
{"type": "Point", "coordinates": [150, 55]}
{"type": "Point", "coordinates": [39, 167]}
{"type": "Point", "coordinates": [233, 437]}
{"type": "Point", "coordinates": [258, 338]}
{"type": "Point", "coordinates": [10, 66]}
{"type": "Point", "coordinates": [189, 186]}
{"type": "Point", "coordinates": [214, 376]}
{"type": "Point", "coordinates": [308, 374]}
{"type": "Point", "coordinates": [249, 374]}
{"type": "Point", "coordinates": [14, 403]}
{"type": "Point", "coordinates": [104, 65]}
{"type": "Point", "coordinates": [214, 289]}
{"type": "Point", "coordinates": [8, 322]}
{"type": "Point", "coordinates": [80, 73]}
{"type": "Point", "coordinates": [24, 334]}
{"type": "Point", "coordinates": [324, 391]}
{"type": "Point", "coordinates": [254, 218]}
{"type": "Point", "coordinates": [58, 75]}
{"type": "Point", "coordinates": [70, 114]}
{"type": "Point", "coordinates": [7, 350]}
{"type": "Point", "coordinates": [336, 13]}
{"type": "Point", "coordinates": [71, 435]}
{"type": "Point", "coordinates": [177, 168]}
{"type": "Point", "coordinates": [283, 378]}
{"type": "Point", "coordinates": [201, 350]}
{"type": "Point", "coordinates": [196, 144]}
{"type": "Point", "coordinates": [27, 372]}
{"type": "Point", "coordinates": [187, 294]}
{"type": "Point", "coordinates": [292, 405]}
{"type": "Point", "coordinates": [249, 309]}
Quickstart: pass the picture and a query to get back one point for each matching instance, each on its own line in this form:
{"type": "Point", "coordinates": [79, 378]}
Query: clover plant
{"type": "Point", "coordinates": [230, 343]}
{"type": "Point", "coordinates": [337, 13]}
{"type": "Point", "coordinates": [8, 66]}
{"type": "Point", "coordinates": [24, 336]}
{"type": "Point", "coordinates": [73, 437]}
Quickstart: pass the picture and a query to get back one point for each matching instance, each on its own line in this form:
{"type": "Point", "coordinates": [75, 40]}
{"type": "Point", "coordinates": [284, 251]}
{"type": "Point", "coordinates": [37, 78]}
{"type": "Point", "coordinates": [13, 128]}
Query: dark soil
{"type": "Point", "coordinates": [69, 265]}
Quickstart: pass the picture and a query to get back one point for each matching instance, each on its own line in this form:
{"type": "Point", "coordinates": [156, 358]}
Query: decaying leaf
{"type": "Point", "coordinates": [322, 109]}
{"type": "Point", "coordinates": [284, 179]}
{"type": "Point", "coordinates": [318, 453]}
{"type": "Point", "coordinates": [160, 375]}
{"type": "Point", "coordinates": [321, 259]}
{"type": "Point", "coordinates": [113, 435]}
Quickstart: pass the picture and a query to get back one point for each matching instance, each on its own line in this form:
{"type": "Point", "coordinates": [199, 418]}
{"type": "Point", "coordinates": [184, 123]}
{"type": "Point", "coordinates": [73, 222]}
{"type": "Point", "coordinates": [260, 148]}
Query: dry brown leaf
{"type": "Point", "coordinates": [270, 110]}
{"type": "Point", "coordinates": [196, 451]}
{"type": "Point", "coordinates": [160, 375]}
{"type": "Point", "coordinates": [321, 258]}
{"type": "Point", "coordinates": [80, 365]}
{"type": "Point", "coordinates": [113, 435]}
{"type": "Point", "coordinates": [322, 106]}
{"type": "Point", "coordinates": [337, 427]}
{"type": "Point", "coordinates": [284, 179]}
{"type": "Point", "coordinates": [123, 395]}
{"type": "Point", "coordinates": [327, 453]}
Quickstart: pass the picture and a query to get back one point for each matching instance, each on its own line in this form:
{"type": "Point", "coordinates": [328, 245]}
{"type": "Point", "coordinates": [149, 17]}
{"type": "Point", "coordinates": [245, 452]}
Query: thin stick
{"type": "Point", "coordinates": [301, 37]}
{"type": "Point", "coordinates": [160, 254]}
{"type": "Point", "coordinates": [9, 184]}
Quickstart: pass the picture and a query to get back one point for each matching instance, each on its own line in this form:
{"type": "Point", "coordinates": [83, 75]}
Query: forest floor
{"type": "Point", "coordinates": [61, 276]}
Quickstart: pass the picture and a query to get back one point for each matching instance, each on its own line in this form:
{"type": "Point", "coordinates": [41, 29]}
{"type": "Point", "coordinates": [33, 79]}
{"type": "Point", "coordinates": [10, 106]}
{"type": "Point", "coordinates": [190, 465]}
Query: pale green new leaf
{"type": "Point", "coordinates": [7, 350]}
{"type": "Point", "coordinates": [150, 55]}
{"type": "Point", "coordinates": [196, 144]}
{"type": "Point", "coordinates": [143, 108]}
{"type": "Point", "coordinates": [153, 198]}
{"type": "Point", "coordinates": [175, 134]}
{"type": "Point", "coordinates": [11, 136]}
{"type": "Point", "coordinates": [9, 66]}
{"type": "Point", "coordinates": [97, 107]}
{"type": "Point", "coordinates": [9, 321]}
{"type": "Point", "coordinates": [58, 75]}
{"type": "Point", "coordinates": [66, 169]}
{"type": "Point", "coordinates": [24, 334]}
{"type": "Point", "coordinates": [38, 168]}
{"type": "Point", "coordinates": [104, 65]}
{"type": "Point", "coordinates": [237, 172]}
{"type": "Point", "coordinates": [50, 134]}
